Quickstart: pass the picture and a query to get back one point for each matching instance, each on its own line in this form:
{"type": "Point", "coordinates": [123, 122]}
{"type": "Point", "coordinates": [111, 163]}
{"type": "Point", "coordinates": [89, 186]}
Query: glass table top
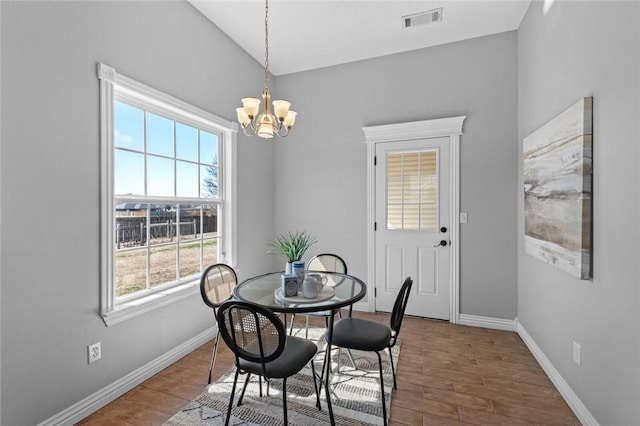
{"type": "Point", "coordinates": [262, 291]}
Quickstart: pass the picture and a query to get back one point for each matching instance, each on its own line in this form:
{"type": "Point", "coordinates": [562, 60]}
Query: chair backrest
{"type": "Point", "coordinates": [399, 307]}
{"type": "Point", "coordinates": [217, 283]}
{"type": "Point", "coordinates": [327, 262]}
{"type": "Point", "coordinates": [251, 331]}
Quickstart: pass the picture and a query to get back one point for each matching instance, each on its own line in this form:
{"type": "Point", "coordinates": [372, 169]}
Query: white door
{"type": "Point", "coordinates": [412, 233]}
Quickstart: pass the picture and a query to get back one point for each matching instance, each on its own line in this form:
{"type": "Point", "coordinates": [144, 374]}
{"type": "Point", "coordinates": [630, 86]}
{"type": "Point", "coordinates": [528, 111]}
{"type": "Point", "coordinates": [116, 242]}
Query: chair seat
{"type": "Point", "coordinates": [360, 334]}
{"type": "Point", "coordinates": [297, 353]}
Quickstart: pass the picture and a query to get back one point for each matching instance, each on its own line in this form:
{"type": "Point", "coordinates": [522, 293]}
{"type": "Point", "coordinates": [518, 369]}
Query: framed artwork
{"type": "Point", "coordinates": [557, 190]}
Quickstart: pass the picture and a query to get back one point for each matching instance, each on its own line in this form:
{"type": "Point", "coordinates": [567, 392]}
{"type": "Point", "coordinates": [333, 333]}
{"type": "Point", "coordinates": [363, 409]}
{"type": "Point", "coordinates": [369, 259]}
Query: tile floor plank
{"type": "Point", "coordinates": [448, 375]}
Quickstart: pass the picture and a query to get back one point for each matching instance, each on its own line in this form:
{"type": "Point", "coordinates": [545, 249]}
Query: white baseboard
{"type": "Point", "coordinates": [487, 322]}
{"type": "Point", "coordinates": [579, 409]}
{"type": "Point", "coordinates": [361, 306]}
{"type": "Point", "coordinates": [99, 399]}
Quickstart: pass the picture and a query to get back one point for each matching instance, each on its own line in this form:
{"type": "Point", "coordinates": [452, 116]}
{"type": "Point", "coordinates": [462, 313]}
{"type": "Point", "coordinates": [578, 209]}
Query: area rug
{"type": "Point", "coordinates": [355, 394]}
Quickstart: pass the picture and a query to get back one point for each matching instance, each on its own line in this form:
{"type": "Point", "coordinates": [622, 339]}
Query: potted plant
{"type": "Point", "coordinates": [292, 245]}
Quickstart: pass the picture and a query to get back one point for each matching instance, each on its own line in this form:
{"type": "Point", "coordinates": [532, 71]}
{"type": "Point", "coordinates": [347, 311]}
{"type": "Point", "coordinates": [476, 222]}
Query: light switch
{"type": "Point", "coordinates": [463, 217]}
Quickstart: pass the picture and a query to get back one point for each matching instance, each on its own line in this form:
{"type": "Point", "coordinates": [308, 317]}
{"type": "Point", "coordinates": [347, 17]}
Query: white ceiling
{"type": "Point", "coordinates": [308, 34]}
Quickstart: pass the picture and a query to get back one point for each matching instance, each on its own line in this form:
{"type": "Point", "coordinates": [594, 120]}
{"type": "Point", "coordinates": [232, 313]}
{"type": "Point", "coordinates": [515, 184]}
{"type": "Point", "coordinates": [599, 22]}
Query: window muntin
{"type": "Point", "coordinates": [145, 163]}
{"type": "Point", "coordinates": [196, 192]}
{"type": "Point", "coordinates": [159, 243]}
{"type": "Point", "coordinates": [412, 197]}
{"type": "Point", "coordinates": [186, 142]}
{"type": "Point", "coordinates": [154, 248]}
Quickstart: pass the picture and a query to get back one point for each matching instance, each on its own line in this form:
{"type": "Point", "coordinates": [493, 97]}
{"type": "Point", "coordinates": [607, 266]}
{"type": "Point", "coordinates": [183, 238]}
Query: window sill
{"type": "Point", "coordinates": [133, 308]}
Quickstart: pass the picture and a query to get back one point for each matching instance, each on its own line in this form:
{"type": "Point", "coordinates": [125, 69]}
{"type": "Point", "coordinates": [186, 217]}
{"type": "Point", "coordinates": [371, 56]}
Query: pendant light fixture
{"type": "Point", "coordinates": [266, 124]}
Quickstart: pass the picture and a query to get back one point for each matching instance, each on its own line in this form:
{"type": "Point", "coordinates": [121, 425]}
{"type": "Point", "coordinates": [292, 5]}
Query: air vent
{"type": "Point", "coordinates": [422, 18]}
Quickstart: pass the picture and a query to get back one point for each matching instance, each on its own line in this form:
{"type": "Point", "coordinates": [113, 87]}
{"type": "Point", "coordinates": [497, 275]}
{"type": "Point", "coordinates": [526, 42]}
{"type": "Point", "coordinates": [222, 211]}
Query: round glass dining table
{"type": "Point", "coordinates": [266, 290]}
{"type": "Point", "coordinates": [263, 288]}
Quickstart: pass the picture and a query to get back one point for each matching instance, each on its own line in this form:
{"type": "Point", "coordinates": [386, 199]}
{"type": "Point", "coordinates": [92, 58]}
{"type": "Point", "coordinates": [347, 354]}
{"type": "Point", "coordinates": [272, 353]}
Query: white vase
{"type": "Point", "coordinates": [287, 268]}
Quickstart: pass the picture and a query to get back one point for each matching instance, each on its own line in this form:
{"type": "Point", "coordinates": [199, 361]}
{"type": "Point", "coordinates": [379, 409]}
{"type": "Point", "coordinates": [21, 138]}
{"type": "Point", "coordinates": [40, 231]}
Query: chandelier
{"type": "Point", "coordinates": [266, 124]}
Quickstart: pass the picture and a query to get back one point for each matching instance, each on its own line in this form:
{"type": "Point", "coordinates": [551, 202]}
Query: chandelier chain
{"type": "Point", "coordinates": [265, 123]}
{"type": "Point", "coordinates": [266, 45]}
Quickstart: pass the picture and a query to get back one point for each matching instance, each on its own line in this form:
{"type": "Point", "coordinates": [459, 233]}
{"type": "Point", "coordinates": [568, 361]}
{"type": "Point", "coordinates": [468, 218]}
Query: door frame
{"type": "Point", "coordinates": [444, 127]}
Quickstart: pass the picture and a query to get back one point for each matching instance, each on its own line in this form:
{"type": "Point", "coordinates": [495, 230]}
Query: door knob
{"type": "Point", "coordinates": [442, 243]}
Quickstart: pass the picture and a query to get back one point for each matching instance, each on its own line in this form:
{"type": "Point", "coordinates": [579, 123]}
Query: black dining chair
{"type": "Point", "coordinates": [216, 287]}
{"type": "Point", "coordinates": [262, 347]}
{"type": "Point", "coordinates": [373, 336]}
{"type": "Point", "coordinates": [325, 262]}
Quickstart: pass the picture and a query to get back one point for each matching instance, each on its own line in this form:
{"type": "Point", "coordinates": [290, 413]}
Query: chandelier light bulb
{"type": "Point", "coordinates": [243, 118]}
{"type": "Point", "coordinates": [251, 106]}
{"type": "Point", "coordinates": [281, 109]}
{"type": "Point", "coordinates": [290, 119]}
{"type": "Point", "coordinates": [265, 131]}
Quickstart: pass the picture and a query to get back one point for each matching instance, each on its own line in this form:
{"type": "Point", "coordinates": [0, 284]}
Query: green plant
{"type": "Point", "coordinates": [292, 245]}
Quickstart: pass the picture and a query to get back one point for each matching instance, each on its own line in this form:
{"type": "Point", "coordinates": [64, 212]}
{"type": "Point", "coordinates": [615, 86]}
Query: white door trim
{"type": "Point", "coordinates": [443, 127]}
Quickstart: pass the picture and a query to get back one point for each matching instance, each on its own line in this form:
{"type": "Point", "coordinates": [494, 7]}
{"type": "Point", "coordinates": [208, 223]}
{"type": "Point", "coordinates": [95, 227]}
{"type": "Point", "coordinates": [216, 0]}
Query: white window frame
{"type": "Point", "coordinates": [112, 83]}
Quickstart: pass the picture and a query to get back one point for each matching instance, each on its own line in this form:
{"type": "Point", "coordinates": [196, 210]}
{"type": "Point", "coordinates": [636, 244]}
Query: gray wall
{"type": "Point", "coordinates": [588, 49]}
{"type": "Point", "coordinates": [507, 85]}
{"type": "Point", "coordinates": [50, 164]}
{"type": "Point", "coordinates": [321, 167]}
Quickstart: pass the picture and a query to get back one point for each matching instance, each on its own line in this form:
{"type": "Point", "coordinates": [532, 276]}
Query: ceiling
{"type": "Point", "coordinates": [308, 34]}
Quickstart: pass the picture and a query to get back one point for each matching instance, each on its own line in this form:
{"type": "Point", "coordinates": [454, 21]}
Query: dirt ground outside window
{"type": "Point", "coordinates": [131, 266]}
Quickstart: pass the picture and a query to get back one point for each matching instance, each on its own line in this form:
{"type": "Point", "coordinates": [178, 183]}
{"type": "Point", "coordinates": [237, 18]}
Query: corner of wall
{"type": "Point", "coordinates": [579, 409]}
{"type": "Point", "coordinates": [487, 322]}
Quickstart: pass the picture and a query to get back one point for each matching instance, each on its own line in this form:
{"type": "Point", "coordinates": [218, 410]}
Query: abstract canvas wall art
{"type": "Point", "coordinates": [557, 190]}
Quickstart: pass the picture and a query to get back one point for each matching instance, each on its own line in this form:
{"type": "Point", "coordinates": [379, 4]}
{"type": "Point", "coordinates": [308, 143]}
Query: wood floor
{"type": "Point", "coordinates": [447, 375]}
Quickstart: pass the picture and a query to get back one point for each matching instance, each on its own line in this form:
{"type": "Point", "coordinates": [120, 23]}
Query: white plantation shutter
{"type": "Point", "coordinates": [412, 196]}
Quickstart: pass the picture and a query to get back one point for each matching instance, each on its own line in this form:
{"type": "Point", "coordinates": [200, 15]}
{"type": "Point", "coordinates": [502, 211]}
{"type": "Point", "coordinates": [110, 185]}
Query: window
{"type": "Point", "coordinates": [412, 181]}
{"type": "Point", "coordinates": [167, 196]}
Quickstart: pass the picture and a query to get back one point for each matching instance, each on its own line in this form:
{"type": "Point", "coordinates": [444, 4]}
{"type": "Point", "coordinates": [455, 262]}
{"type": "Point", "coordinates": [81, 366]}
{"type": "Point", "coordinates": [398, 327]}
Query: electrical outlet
{"type": "Point", "coordinates": [94, 352]}
{"type": "Point", "coordinates": [576, 353]}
